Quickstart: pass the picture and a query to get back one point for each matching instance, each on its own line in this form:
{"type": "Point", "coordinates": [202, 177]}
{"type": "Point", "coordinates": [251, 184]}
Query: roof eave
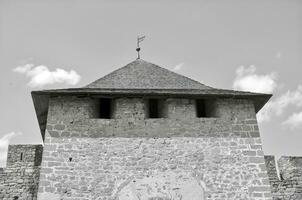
{"type": "Point", "coordinates": [40, 102]}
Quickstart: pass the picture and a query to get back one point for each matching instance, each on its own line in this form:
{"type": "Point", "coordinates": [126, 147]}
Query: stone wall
{"type": "Point", "coordinates": [180, 108]}
{"type": "Point", "coordinates": [288, 183]}
{"type": "Point", "coordinates": [132, 157]}
{"type": "Point", "coordinates": [20, 178]}
{"type": "Point", "coordinates": [125, 108]}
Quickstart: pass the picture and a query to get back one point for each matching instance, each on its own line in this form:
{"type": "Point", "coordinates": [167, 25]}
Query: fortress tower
{"type": "Point", "coordinates": [20, 179]}
{"type": "Point", "coordinates": [143, 132]}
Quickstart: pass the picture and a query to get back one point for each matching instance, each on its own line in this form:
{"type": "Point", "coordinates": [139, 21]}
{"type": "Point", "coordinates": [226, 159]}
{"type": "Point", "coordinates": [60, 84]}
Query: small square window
{"type": "Point", "coordinates": [155, 108]}
{"type": "Point", "coordinates": [203, 108]}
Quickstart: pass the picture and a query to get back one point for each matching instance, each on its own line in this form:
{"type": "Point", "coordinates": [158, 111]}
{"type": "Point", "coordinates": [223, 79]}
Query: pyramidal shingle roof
{"type": "Point", "coordinates": [140, 74]}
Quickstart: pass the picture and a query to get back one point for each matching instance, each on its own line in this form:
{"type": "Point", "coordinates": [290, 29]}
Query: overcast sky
{"type": "Point", "coordinates": [253, 45]}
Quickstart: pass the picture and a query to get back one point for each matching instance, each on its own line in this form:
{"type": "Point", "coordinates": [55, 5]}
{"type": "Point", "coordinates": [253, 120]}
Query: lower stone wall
{"type": "Point", "coordinates": [287, 185]}
{"type": "Point", "coordinates": [20, 178]}
{"type": "Point", "coordinates": [19, 181]}
{"type": "Point", "coordinates": [186, 168]}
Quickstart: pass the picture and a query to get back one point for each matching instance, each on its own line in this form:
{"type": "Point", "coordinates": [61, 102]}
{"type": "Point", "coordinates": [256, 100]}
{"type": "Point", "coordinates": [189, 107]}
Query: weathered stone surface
{"type": "Point", "coordinates": [130, 120]}
{"type": "Point", "coordinates": [105, 164]}
{"type": "Point", "coordinates": [163, 185]}
{"type": "Point", "coordinates": [131, 156]}
{"type": "Point", "coordinates": [20, 178]}
{"type": "Point", "coordinates": [288, 183]}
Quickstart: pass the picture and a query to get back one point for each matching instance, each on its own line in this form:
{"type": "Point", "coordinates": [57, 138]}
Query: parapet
{"type": "Point", "coordinates": [20, 178]}
{"type": "Point", "coordinates": [285, 176]}
{"type": "Point", "coordinates": [24, 155]}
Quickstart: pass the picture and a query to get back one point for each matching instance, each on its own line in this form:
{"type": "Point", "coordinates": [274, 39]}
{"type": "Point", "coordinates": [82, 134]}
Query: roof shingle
{"type": "Point", "coordinates": [140, 74]}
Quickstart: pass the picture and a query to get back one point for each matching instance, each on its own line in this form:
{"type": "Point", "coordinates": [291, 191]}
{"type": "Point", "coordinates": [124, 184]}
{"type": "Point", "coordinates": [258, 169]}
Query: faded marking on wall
{"type": "Point", "coordinates": [168, 185]}
{"type": "Point", "coordinates": [49, 196]}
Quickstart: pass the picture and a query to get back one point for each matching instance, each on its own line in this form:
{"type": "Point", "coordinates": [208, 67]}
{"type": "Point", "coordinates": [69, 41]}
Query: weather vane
{"type": "Point", "coordinates": [139, 39]}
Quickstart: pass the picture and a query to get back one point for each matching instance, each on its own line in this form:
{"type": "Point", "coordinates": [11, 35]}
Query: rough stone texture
{"type": "Point", "coordinates": [132, 157]}
{"type": "Point", "coordinates": [113, 163]}
{"type": "Point", "coordinates": [73, 108]}
{"type": "Point", "coordinates": [20, 178]}
{"type": "Point", "coordinates": [180, 108]}
{"type": "Point", "coordinates": [164, 185]}
{"type": "Point", "coordinates": [125, 108]}
{"type": "Point", "coordinates": [233, 109]}
{"type": "Point", "coordinates": [288, 184]}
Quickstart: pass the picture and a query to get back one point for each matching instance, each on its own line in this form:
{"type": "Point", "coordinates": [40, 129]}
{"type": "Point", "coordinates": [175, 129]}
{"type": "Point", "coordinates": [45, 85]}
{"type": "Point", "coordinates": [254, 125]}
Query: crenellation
{"type": "Point", "coordinates": [129, 108]}
{"type": "Point", "coordinates": [180, 108]}
{"type": "Point", "coordinates": [288, 184]}
{"type": "Point", "coordinates": [235, 109]}
{"type": "Point", "coordinates": [72, 108]}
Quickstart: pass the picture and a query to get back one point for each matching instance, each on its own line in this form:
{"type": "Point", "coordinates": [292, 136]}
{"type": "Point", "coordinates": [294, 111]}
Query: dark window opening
{"type": "Point", "coordinates": [153, 108]}
{"type": "Point", "coordinates": [105, 108]}
{"type": "Point", "coordinates": [21, 157]}
{"type": "Point", "coordinates": [201, 108]}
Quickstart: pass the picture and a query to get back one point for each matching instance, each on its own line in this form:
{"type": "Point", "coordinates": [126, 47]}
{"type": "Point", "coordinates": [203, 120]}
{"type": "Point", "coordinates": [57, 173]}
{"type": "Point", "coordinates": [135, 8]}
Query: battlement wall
{"type": "Point", "coordinates": [20, 178]}
{"type": "Point", "coordinates": [74, 117]}
{"type": "Point", "coordinates": [72, 107]}
{"type": "Point", "coordinates": [286, 177]}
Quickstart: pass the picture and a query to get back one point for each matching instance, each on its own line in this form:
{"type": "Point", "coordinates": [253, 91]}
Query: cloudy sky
{"type": "Point", "coordinates": [252, 45]}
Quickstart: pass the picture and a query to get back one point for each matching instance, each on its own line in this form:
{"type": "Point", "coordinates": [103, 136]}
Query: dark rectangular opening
{"type": "Point", "coordinates": [201, 110]}
{"type": "Point", "coordinates": [105, 108]}
{"type": "Point", "coordinates": [21, 156]}
{"type": "Point", "coordinates": [153, 108]}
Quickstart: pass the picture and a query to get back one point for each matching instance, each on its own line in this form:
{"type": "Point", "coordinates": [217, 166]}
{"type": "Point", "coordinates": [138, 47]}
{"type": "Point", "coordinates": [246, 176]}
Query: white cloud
{"type": "Point", "coordinates": [178, 67]}
{"type": "Point", "coordinates": [4, 141]}
{"type": "Point", "coordinates": [278, 106]}
{"type": "Point", "coordinates": [23, 69]}
{"type": "Point", "coordinates": [40, 75]}
{"type": "Point", "coordinates": [247, 80]}
{"type": "Point", "coordinates": [294, 121]}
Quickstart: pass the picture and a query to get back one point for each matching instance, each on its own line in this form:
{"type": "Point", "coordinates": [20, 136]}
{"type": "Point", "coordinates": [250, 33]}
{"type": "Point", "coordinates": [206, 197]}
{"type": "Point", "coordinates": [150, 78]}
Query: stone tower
{"type": "Point", "coordinates": [143, 132]}
{"type": "Point", "coordinates": [20, 178]}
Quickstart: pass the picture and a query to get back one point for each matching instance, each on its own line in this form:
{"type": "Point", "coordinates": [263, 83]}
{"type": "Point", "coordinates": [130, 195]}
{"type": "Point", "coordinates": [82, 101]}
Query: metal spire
{"type": "Point", "coordinates": [139, 39]}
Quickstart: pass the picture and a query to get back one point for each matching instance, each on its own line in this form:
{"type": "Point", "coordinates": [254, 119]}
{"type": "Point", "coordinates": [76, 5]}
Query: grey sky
{"type": "Point", "coordinates": [204, 40]}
